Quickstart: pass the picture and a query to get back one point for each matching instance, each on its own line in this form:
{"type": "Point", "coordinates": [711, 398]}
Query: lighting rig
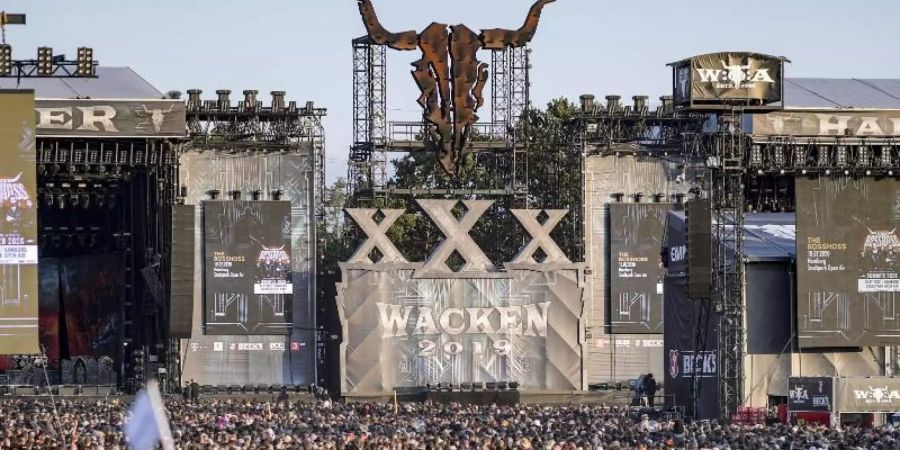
{"type": "Point", "coordinates": [46, 65]}
{"type": "Point", "coordinates": [251, 125]}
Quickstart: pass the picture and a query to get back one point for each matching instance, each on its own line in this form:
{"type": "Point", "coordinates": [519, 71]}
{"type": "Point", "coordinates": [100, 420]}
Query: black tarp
{"type": "Point", "coordinates": [769, 298]}
{"type": "Point", "coordinates": [691, 351]}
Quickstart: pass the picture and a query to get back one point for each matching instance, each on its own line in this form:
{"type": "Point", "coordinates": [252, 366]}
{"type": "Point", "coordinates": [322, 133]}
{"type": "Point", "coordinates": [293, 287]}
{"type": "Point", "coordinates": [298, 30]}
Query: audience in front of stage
{"type": "Point", "coordinates": [232, 424]}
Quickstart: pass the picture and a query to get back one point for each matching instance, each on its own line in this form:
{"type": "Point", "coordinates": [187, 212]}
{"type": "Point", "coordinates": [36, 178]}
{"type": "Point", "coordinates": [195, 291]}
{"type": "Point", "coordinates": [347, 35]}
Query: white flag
{"type": "Point", "coordinates": [147, 424]}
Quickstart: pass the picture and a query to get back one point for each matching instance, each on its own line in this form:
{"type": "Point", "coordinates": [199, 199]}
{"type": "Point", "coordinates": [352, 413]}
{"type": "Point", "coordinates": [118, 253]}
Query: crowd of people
{"type": "Point", "coordinates": [234, 424]}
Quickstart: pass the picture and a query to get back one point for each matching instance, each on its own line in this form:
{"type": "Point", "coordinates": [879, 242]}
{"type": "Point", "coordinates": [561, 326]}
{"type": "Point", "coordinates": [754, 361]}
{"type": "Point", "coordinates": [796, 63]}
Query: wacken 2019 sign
{"type": "Point", "coordinates": [728, 79]}
{"type": "Point", "coordinates": [409, 324]}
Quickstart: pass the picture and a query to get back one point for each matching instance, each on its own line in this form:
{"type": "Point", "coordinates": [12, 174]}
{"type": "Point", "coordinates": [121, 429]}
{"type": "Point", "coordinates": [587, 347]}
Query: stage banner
{"type": "Point", "coordinates": [810, 394]}
{"type": "Point", "coordinates": [248, 272]}
{"type": "Point", "coordinates": [404, 332]}
{"type": "Point", "coordinates": [110, 118]}
{"type": "Point", "coordinates": [690, 346]}
{"type": "Point", "coordinates": [728, 77]}
{"type": "Point", "coordinates": [636, 278]}
{"type": "Point", "coordinates": [18, 225]}
{"type": "Point", "coordinates": [824, 123]}
{"type": "Point", "coordinates": [867, 395]}
{"type": "Point", "coordinates": [848, 262]}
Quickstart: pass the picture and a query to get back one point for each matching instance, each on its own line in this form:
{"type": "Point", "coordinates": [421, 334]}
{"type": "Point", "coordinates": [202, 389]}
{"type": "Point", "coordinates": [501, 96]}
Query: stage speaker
{"type": "Point", "coordinates": [699, 249]}
{"type": "Point", "coordinates": [181, 294]}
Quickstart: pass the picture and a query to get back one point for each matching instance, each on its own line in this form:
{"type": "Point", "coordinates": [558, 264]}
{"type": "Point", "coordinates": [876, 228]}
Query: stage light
{"type": "Point", "coordinates": [257, 195]}
{"type": "Point", "coordinates": [276, 194]}
{"type": "Point", "coordinates": [5, 60]}
{"type": "Point", "coordinates": [85, 62]}
{"type": "Point", "coordinates": [45, 61]}
{"type": "Point", "coordinates": [213, 193]}
{"type": "Point", "coordinates": [235, 195]}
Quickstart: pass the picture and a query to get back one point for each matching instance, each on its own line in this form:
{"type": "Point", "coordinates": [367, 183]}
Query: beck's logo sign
{"type": "Point", "coordinates": [693, 364]}
{"type": "Point", "coordinates": [735, 76]}
{"type": "Point", "coordinates": [876, 396]}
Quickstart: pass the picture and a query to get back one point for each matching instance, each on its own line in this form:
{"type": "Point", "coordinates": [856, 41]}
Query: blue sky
{"type": "Point", "coordinates": [583, 46]}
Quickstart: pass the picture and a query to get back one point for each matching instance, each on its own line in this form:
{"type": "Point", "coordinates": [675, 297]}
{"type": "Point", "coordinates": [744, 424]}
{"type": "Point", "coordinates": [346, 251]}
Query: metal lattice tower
{"type": "Point", "coordinates": [510, 98]}
{"type": "Point", "coordinates": [368, 161]}
{"type": "Point", "coordinates": [727, 196]}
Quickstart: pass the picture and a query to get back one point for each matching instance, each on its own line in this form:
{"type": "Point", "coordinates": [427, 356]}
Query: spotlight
{"type": "Point", "coordinates": [276, 194]}
{"type": "Point", "coordinates": [235, 195]}
{"type": "Point", "coordinates": [5, 60]}
{"type": "Point", "coordinates": [257, 195]}
{"type": "Point", "coordinates": [213, 193]}
{"type": "Point", "coordinates": [45, 61]}
{"type": "Point", "coordinates": [85, 62]}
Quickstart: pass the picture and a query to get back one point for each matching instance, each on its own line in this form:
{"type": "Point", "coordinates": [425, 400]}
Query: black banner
{"type": "Point", "coordinates": [848, 262]}
{"type": "Point", "coordinates": [728, 78]}
{"type": "Point", "coordinates": [636, 278]}
{"type": "Point", "coordinates": [248, 267]}
{"type": "Point", "coordinates": [810, 394]}
{"type": "Point", "coordinates": [690, 351]}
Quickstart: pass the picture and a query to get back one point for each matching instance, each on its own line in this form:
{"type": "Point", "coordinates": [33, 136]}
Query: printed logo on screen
{"type": "Point", "coordinates": [877, 396]}
{"type": "Point", "coordinates": [678, 253]}
{"type": "Point", "coordinates": [735, 76]}
{"type": "Point", "coordinates": [276, 346]}
{"type": "Point", "coordinates": [155, 117]}
{"type": "Point", "coordinates": [693, 364]}
{"type": "Point", "coordinates": [673, 363]}
{"type": "Point", "coordinates": [218, 346]}
{"type": "Point", "coordinates": [684, 79]}
{"type": "Point", "coordinates": [798, 394]}
{"type": "Point", "coordinates": [295, 346]}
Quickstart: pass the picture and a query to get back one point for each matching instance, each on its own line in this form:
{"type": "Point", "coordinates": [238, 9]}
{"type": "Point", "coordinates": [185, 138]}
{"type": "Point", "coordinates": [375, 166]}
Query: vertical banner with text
{"type": "Point", "coordinates": [18, 225]}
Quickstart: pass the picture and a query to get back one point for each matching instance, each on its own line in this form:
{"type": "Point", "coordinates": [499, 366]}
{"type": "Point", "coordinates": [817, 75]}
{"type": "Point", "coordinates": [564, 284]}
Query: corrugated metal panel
{"type": "Point", "coordinates": [840, 93]}
{"type": "Point", "coordinates": [888, 87]}
{"type": "Point", "coordinates": [111, 83]}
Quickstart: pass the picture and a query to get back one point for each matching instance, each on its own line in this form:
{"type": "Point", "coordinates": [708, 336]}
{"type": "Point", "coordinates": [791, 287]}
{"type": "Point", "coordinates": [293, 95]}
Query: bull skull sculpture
{"type": "Point", "coordinates": [449, 75]}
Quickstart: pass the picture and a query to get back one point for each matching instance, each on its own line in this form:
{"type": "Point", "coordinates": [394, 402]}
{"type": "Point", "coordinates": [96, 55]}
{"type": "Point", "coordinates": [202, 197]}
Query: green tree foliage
{"type": "Point", "coordinates": [554, 182]}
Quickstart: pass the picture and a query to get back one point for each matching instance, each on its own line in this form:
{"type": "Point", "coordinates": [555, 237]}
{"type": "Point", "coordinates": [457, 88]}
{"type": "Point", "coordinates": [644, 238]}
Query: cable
{"type": "Point", "coordinates": [50, 391]}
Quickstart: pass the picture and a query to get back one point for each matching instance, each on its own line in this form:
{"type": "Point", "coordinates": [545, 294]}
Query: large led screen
{"type": "Point", "coordinates": [848, 262]}
{"type": "Point", "coordinates": [247, 267]}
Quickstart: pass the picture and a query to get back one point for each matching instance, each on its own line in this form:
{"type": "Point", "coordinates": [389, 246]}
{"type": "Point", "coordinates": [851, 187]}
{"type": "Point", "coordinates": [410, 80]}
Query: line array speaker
{"type": "Point", "coordinates": [182, 293]}
{"type": "Point", "coordinates": [699, 249]}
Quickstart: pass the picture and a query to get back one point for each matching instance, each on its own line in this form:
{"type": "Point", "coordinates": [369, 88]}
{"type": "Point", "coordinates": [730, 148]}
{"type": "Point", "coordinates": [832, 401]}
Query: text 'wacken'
{"type": "Point", "coordinates": [524, 320]}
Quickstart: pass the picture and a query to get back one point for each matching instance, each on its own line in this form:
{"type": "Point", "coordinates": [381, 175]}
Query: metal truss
{"type": "Point", "coordinates": [253, 126]}
{"type": "Point", "coordinates": [860, 156]}
{"type": "Point", "coordinates": [726, 152]}
{"type": "Point", "coordinates": [107, 158]}
{"type": "Point", "coordinates": [633, 129]}
{"type": "Point", "coordinates": [367, 168]}
{"type": "Point", "coordinates": [614, 127]}
{"type": "Point", "coordinates": [59, 69]}
{"type": "Point", "coordinates": [374, 137]}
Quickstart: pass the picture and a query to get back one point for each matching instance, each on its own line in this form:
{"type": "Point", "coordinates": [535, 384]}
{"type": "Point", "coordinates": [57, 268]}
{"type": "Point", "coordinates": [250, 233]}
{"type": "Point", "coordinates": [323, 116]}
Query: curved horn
{"type": "Point", "coordinates": [407, 40]}
{"type": "Point", "coordinates": [498, 38]}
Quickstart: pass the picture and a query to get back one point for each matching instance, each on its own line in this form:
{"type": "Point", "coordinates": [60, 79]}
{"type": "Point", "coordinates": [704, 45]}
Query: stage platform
{"type": "Point", "coordinates": [611, 398]}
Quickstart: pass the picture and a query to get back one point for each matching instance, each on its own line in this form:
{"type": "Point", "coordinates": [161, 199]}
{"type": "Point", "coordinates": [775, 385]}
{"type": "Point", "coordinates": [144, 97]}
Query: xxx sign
{"type": "Point", "coordinates": [457, 238]}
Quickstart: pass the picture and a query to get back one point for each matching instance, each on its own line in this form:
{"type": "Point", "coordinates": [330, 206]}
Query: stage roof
{"type": "Point", "coordinates": [112, 83]}
{"type": "Point", "coordinates": [768, 237]}
{"type": "Point", "coordinates": [834, 93]}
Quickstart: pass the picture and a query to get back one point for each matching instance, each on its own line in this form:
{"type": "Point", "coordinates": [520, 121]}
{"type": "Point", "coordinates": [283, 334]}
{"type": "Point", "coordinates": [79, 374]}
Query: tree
{"type": "Point", "coordinates": [554, 182]}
